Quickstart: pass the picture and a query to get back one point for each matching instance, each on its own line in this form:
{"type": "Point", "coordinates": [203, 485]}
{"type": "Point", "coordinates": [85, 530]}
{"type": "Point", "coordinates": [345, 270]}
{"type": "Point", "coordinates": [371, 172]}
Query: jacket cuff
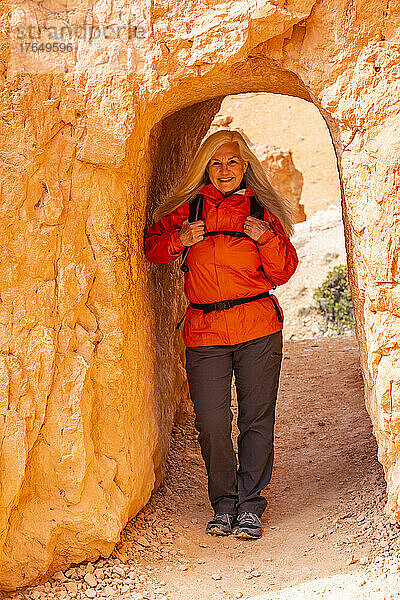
{"type": "Point", "coordinates": [266, 237]}
{"type": "Point", "coordinates": [175, 244]}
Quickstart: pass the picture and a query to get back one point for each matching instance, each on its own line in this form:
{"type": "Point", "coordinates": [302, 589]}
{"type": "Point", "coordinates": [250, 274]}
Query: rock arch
{"type": "Point", "coordinates": [86, 402]}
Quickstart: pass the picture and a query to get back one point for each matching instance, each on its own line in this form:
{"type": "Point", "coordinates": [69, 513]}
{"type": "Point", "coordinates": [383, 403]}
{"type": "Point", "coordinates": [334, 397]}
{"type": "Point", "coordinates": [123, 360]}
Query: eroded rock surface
{"type": "Point", "coordinates": [91, 364]}
{"type": "Point", "coordinates": [284, 176]}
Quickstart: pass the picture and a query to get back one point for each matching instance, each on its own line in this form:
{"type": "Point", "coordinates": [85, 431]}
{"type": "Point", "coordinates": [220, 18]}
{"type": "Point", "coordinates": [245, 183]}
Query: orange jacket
{"type": "Point", "coordinates": [223, 267]}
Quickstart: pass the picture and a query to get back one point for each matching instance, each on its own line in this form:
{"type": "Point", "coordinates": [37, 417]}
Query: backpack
{"type": "Point", "coordinates": [195, 214]}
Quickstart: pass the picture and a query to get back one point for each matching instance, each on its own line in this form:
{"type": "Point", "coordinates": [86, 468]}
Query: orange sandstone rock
{"type": "Point", "coordinates": [284, 176]}
{"type": "Point", "coordinates": [91, 367]}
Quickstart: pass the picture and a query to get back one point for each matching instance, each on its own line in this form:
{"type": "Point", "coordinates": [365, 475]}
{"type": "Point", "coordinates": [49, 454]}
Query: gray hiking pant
{"type": "Point", "coordinates": [256, 364]}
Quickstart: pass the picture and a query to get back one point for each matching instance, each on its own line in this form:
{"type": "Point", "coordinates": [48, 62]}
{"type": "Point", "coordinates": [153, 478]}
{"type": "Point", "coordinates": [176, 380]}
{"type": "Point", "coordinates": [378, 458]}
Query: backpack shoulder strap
{"type": "Point", "coordinates": [256, 209]}
{"type": "Point", "coordinates": [195, 208]}
{"type": "Point", "coordinates": [195, 214]}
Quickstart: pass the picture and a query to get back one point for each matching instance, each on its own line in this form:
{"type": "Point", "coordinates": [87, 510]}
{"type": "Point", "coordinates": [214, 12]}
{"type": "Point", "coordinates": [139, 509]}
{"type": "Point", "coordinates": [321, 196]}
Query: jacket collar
{"type": "Point", "coordinates": [211, 191]}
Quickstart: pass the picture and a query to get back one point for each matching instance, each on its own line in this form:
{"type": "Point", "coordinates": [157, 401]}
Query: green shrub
{"type": "Point", "coordinates": [333, 300]}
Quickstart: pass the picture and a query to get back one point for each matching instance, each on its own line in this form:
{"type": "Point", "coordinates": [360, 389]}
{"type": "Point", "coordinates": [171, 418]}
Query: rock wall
{"type": "Point", "coordinates": [91, 364]}
{"type": "Point", "coordinates": [284, 176]}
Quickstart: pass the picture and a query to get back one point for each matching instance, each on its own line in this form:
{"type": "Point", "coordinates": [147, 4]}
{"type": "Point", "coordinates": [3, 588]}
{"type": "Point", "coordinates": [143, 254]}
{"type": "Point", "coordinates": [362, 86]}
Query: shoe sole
{"type": "Point", "coordinates": [217, 531]}
{"type": "Point", "coordinates": [246, 535]}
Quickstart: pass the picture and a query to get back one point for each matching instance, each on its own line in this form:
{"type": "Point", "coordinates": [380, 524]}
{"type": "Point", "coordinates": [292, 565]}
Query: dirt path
{"type": "Point", "coordinates": [326, 493]}
{"type": "Point", "coordinates": [325, 531]}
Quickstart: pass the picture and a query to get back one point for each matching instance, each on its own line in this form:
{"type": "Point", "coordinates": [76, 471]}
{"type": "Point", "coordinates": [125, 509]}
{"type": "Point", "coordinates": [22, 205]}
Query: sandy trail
{"type": "Point", "coordinates": [325, 531]}
{"type": "Point", "coordinates": [326, 496]}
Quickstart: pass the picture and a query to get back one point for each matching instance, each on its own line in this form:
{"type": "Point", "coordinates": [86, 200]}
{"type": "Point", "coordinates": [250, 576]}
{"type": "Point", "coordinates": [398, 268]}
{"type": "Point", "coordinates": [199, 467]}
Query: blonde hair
{"type": "Point", "coordinates": [254, 177]}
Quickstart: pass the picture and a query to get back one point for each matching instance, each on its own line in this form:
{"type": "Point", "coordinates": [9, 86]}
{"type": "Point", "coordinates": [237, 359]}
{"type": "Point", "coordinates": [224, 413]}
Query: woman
{"type": "Point", "coordinates": [233, 324]}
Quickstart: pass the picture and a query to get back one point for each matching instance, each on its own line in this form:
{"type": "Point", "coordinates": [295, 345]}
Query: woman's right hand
{"type": "Point", "coordinates": [191, 233]}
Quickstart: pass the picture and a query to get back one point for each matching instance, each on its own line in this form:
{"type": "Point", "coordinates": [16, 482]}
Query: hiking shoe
{"type": "Point", "coordinates": [221, 524]}
{"type": "Point", "coordinates": [247, 525]}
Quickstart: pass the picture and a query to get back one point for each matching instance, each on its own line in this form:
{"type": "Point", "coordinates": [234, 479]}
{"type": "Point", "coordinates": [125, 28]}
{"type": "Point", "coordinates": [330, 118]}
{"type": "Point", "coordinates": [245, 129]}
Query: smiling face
{"type": "Point", "coordinates": [226, 167]}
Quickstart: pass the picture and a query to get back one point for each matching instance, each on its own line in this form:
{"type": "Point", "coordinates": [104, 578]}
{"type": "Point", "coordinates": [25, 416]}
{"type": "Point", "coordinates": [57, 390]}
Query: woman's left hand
{"type": "Point", "coordinates": [254, 228]}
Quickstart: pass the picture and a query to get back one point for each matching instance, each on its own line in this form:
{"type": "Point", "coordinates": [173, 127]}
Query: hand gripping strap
{"type": "Point", "coordinates": [196, 213]}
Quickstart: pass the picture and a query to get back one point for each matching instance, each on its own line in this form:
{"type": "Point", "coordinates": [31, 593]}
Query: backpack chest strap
{"type": "Point", "coordinates": [239, 234]}
{"type": "Point", "coordinates": [196, 213]}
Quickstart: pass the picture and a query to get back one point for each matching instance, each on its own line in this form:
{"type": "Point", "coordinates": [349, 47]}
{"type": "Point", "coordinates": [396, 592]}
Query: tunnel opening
{"type": "Point", "coordinates": [173, 143]}
{"type": "Point", "coordinates": [325, 471]}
